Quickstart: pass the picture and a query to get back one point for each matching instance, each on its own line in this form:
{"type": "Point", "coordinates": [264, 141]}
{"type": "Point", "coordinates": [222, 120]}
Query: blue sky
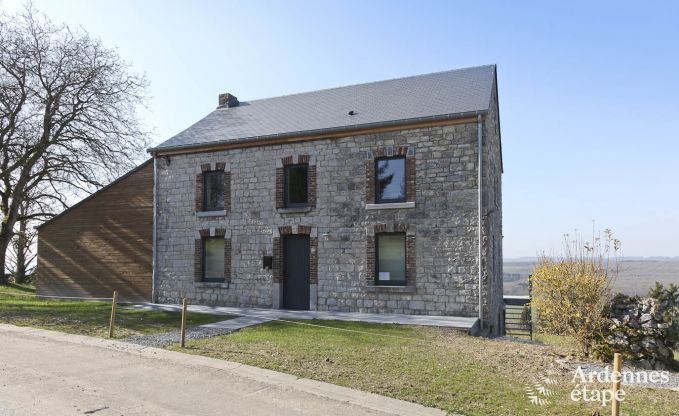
{"type": "Point", "coordinates": [588, 90]}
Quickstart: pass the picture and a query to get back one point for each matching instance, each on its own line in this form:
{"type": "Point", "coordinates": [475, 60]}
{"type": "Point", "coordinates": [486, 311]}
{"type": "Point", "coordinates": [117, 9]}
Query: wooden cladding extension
{"type": "Point", "coordinates": [102, 244]}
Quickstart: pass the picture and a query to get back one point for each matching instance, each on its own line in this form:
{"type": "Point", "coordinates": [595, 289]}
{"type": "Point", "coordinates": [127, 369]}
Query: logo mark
{"type": "Point", "coordinates": [538, 391]}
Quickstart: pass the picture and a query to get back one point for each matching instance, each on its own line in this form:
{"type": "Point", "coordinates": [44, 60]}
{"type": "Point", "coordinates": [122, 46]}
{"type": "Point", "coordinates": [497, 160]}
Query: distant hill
{"type": "Point", "coordinates": [637, 274]}
{"type": "Point", "coordinates": [630, 258]}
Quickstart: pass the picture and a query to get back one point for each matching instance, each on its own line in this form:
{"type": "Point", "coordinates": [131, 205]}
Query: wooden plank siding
{"type": "Point", "coordinates": [102, 244]}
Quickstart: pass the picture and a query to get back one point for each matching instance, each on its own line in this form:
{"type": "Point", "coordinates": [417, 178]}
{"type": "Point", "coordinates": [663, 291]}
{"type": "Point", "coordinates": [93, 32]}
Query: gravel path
{"type": "Point", "coordinates": [197, 332]}
{"type": "Point", "coordinates": [167, 338]}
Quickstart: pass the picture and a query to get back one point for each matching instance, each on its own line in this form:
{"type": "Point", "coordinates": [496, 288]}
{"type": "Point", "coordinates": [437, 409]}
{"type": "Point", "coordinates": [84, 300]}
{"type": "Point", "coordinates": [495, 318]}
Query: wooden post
{"type": "Point", "coordinates": [113, 313]}
{"type": "Point", "coordinates": [183, 340]}
{"type": "Point", "coordinates": [617, 363]}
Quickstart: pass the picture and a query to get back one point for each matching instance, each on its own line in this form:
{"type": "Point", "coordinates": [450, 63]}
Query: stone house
{"type": "Point", "coordinates": [359, 198]}
{"type": "Point", "coordinates": [382, 197]}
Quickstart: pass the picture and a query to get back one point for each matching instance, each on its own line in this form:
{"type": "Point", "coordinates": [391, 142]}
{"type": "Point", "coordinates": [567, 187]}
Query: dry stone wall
{"type": "Point", "coordinates": [639, 331]}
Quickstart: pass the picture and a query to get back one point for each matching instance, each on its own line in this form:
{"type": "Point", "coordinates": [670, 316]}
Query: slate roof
{"type": "Point", "coordinates": [440, 95]}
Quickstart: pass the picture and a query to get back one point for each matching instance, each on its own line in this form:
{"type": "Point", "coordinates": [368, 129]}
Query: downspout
{"type": "Point", "coordinates": [480, 224]}
{"type": "Point", "coordinates": [155, 251]}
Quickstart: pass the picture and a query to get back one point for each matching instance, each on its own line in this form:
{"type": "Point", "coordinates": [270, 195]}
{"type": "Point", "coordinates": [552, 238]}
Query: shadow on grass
{"type": "Point", "coordinates": [89, 317]}
{"type": "Point", "coordinates": [21, 288]}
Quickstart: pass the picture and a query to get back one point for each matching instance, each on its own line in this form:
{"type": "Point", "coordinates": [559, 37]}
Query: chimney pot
{"type": "Point", "coordinates": [227, 100]}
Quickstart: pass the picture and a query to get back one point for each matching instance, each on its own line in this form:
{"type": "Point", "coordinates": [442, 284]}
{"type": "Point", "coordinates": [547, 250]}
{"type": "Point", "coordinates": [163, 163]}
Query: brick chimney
{"type": "Point", "coordinates": [227, 100]}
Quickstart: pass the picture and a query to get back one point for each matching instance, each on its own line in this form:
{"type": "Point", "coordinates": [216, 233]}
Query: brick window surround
{"type": "Point", "coordinates": [371, 266]}
{"type": "Point", "coordinates": [198, 253]}
{"type": "Point", "coordinates": [280, 178]}
{"type": "Point", "coordinates": [278, 251]}
{"type": "Point", "coordinates": [213, 167]}
{"type": "Point", "coordinates": [390, 151]}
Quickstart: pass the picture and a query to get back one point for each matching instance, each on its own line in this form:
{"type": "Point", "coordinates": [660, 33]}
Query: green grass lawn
{"type": "Point", "coordinates": [87, 318]}
{"type": "Point", "coordinates": [435, 367]}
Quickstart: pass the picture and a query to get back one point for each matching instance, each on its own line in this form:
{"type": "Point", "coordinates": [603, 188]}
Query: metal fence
{"type": "Point", "coordinates": [518, 317]}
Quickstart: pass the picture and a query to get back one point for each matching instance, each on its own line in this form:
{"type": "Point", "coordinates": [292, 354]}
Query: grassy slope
{"type": "Point", "coordinates": [86, 318]}
{"type": "Point", "coordinates": [438, 368]}
{"type": "Point", "coordinates": [434, 367]}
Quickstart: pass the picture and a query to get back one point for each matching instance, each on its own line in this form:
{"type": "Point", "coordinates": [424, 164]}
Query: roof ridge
{"type": "Point", "coordinates": [371, 82]}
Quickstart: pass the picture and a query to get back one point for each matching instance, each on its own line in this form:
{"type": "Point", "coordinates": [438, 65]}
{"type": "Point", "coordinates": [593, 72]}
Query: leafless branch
{"type": "Point", "coordinates": [68, 120]}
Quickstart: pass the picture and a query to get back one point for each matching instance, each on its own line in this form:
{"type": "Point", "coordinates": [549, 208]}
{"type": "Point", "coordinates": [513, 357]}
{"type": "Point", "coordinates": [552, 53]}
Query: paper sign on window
{"type": "Point", "coordinates": [384, 276]}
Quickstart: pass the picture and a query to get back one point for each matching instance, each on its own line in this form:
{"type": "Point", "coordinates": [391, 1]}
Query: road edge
{"type": "Point", "coordinates": [319, 388]}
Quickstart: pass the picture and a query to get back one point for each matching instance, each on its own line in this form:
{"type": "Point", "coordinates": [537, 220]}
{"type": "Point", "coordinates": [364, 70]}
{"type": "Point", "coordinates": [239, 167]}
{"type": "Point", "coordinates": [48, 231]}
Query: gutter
{"type": "Point", "coordinates": [330, 130]}
{"type": "Point", "coordinates": [480, 222]}
{"type": "Point", "coordinates": [154, 243]}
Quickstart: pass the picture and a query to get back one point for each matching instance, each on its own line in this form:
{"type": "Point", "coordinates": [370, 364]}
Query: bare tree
{"type": "Point", "coordinates": [68, 118]}
{"type": "Point", "coordinates": [22, 253]}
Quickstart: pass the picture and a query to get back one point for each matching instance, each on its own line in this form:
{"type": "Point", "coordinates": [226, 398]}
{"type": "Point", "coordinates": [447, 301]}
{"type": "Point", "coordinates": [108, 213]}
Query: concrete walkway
{"type": "Point", "coordinates": [456, 322]}
{"type": "Point", "coordinates": [52, 373]}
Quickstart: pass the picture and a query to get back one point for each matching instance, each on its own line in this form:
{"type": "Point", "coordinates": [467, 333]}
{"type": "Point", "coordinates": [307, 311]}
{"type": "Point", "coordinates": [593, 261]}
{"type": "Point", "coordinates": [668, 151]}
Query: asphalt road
{"type": "Point", "coordinates": [49, 373]}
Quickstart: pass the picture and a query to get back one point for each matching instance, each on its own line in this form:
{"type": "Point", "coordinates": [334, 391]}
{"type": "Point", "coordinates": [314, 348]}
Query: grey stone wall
{"type": "Point", "coordinates": [443, 221]}
{"type": "Point", "coordinates": [492, 210]}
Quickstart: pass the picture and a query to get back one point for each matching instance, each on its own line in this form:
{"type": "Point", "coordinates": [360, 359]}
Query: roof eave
{"type": "Point", "coordinates": [330, 130]}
